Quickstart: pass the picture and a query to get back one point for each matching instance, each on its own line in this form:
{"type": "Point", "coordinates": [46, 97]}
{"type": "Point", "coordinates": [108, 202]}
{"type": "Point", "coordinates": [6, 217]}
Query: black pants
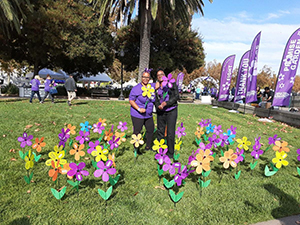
{"type": "Point", "coordinates": [149, 125]}
{"type": "Point", "coordinates": [46, 94]}
{"type": "Point", "coordinates": [167, 119]}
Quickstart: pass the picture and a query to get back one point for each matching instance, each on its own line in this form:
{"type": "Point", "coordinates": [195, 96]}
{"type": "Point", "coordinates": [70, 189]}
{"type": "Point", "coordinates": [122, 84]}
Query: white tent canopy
{"type": "Point", "coordinates": [100, 77]}
{"type": "Point", "coordinates": [132, 83]}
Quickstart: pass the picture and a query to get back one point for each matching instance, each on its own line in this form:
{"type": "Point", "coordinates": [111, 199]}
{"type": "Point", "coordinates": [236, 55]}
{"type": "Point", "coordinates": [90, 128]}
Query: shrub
{"type": "Point", "coordinates": [10, 89]}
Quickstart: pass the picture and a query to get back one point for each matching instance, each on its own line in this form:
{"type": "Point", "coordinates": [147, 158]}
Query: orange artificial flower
{"type": "Point", "coordinates": [206, 154]}
{"type": "Point", "coordinates": [56, 169]}
{"type": "Point", "coordinates": [102, 121]}
{"type": "Point", "coordinates": [39, 144]}
{"type": "Point", "coordinates": [77, 151]}
{"type": "Point", "coordinates": [108, 135]}
{"type": "Point", "coordinates": [281, 146]}
{"type": "Point", "coordinates": [112, 158]}
{"type": "Point", "coordinates": [121, 136]}
{"type": "Point", "coordinates": [199, 132]}
{"type": "Point", "coordinates": [72, 129]}
{"type": "Point", "coordinates": [201, 163]}
{"type": "Point", "coordinates": [228, 159]}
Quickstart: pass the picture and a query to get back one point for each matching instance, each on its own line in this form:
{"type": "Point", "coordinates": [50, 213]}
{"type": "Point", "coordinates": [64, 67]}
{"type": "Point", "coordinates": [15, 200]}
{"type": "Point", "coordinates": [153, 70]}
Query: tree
{"type": "Point", "coordinates": [175, 47]}
{"type": "Point", "coordinates": [148, 10]}
{"type": "Point", "coordinates": [266, 78]}
{"type": "Point", "coordinates": [214, 69]}
{"type": "Point", "coordinates": [61, 34]}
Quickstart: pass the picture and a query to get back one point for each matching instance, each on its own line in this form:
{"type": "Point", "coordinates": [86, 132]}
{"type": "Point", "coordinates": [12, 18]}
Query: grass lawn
{"type": "Point", "coordinates": [135, 198]}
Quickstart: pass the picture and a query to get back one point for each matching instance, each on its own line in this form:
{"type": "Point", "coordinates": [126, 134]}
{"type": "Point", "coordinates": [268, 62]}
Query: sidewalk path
{"type": "Point", "coordinates": [290, 220]}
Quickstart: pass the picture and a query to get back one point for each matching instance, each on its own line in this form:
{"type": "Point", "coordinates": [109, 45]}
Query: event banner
{"type": "Point", "coordinates": [179, 80]}
{"type": "Point", "coordinates": [251, 95]}
{"type": "Point", "coordinates": [287, 71]}
{"type": "Point", "coordinates": [225, 79]}
{"type": "Point", "coordinates": [240, 90]}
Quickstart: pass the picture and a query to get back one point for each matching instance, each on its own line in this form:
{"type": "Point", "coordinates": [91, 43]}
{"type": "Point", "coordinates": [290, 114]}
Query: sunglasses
{"type": "Point", "coordinates": [145, 77]}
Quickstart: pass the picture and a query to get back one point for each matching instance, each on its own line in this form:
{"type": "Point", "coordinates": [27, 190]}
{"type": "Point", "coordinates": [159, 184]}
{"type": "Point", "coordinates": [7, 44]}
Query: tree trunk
{"type": "Point", "coordinates": [35, 69]}
{"type": "Point", "coordinates": [145, 33]}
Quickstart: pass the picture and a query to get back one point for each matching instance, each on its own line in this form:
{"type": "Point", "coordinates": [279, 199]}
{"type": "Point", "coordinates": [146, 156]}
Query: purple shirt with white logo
{"type": "Point", "coordinates": [47, 85]}
{"type": "Point", "coordinates": [136, 95]}
{"type": "Point", "coordinates": [35, 83]}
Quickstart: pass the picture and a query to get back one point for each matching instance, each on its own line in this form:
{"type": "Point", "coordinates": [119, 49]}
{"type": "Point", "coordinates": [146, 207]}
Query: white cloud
{"type": "Point", "coordinates": [230, 36]}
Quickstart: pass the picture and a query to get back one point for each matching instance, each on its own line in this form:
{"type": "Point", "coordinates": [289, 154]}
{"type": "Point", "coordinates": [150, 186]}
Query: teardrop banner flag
{"type": "Point", "coordinates": [240, 90]}
{"type": "Point", "coordinates": [287, 71]}
{"type": "Point", "coordinates": [252, 71]}
{"type": "Point", "coordinates": [179, 81]}
{"type": "Point", "coordinates": [226, 74]}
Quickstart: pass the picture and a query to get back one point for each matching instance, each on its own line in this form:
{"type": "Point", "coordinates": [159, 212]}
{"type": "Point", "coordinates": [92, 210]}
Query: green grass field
{"type": "Point", "coordinates": [136, 199]}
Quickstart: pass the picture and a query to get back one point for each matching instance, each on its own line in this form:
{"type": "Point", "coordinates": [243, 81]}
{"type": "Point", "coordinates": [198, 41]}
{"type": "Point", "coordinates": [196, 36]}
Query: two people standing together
{"type": "Point", "coordinates": [164, 97]}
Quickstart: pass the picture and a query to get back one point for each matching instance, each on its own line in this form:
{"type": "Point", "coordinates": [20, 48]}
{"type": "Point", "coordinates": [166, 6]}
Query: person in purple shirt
{"type": "Point", "coordinates": [142, 108]}
{"type": "Point", "coordinates": [49, 83]}
{"type": "Point", "coordinates": [35, 86]}
{"type": "Point", "coordinates": [166, 104]}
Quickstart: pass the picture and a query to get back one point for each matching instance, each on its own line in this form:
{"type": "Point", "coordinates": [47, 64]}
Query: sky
{"type": "Point", "coordinates": [229, 26]}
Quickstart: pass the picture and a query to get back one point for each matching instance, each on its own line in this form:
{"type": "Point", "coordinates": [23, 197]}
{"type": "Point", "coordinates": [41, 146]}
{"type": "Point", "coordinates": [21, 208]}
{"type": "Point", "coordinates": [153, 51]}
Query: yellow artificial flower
{"type": "Point", "coordinates": [177, 144]}
{"type": "Point", "coordinates": [29, 160]}
{"type": "Point", "coordinates": [148, 91]}
{"type": "Point", "coordinates": [159, 144]}
{"type": "Point", "coordinates": [57, 149]}
{"type": "Point", "coordinates": [100, 153]}
{"type": "Point", "coordinates": [279, 159]}
{"type": "Point", "coordinates": [136, 140]}
{"type": "Point", "coordinates": [55, 157]}
{"type": "Point", "coordinates": [243, 143]}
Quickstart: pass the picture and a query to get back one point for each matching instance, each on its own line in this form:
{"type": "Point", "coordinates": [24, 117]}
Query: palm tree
{"type": "Point", "coordinates": [148, 10]}
{"type": "Point", "coordinates": [11, 14]}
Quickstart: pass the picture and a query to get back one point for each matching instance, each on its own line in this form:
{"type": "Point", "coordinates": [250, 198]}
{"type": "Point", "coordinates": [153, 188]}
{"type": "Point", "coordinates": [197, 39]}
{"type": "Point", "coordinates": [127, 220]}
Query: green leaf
{"type": "Point", "coordinates": [70, 142]}
{"type": "Point", "coordinates": [105, 195]}
{"type": "Point", "coordinates": [222, 153]}
{"type": "Point", "coordinates": [168, 184]}
{"type": "Point", "coordinates": [268, 148]}
{"type": "Point", "coordinates": [237, 175]}
{"type": "Point", "coordinates": [205, 174]}
{"type": "Point", "coordinates": [203, 184]}
{"type": "Point", "coordinates": [94, 163]}
{"type": "Point", "coordinates": [219, 143]}
{"type": "Point", "coordinates": [176, 156]}
{"type": "Point", "coordinates": [165, 94]}
{"type": "Point", "coordinates": [231, 143]}
{"type": "Point", "coordinates": [214, 155]}
{"type": "Point", "coordinates": [175, 198]}
{"type": "Point", "coordinates": [30, 176]}
{"type": "Point", "coordinates": [58, 194]}
{"type": "Point", "coordinates": [36, 157]}
{"type": "Point", "coordinates": [72, 183]}
{"type": "Point", "coordinates": [269, 173]}
{"type": "Point", "coordinates": [21, 154]}
{"type": "Point", "coordinates": [205, 137]}
{"type": "Point", "coordinates": [115, 180]}
{"type": "Point", "coordinates": [198, 141]}
{"type": "Point", "coordinates": [274, 168]}
{"type": "Point", "coordinates": [135, 152]}
{"type": "Point", "coordinates": [252, 166]}
{"type": "Point", "coordinates": [160, 171]}
{"type": "Point", "coordinates": [298, 170]}
{"type": "Point", "coordinates": [27, 179]}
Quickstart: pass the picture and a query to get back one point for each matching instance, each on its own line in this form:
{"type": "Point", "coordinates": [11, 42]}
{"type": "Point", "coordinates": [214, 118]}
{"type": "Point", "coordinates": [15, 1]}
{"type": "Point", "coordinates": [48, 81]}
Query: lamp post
{"type": "Point", "coordinates": [121, 97]}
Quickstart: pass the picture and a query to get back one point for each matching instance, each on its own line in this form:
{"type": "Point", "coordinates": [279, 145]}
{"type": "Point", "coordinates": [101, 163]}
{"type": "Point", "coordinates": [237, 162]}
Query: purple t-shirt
{"type": "Point", "coordinates": [47, 85]}
{"type": "Point", "coordinates": [136, 95]}
{"type": "Point", "coordinates": [160, 92]}
{"type": "Point", "coordinates": [35, 83]}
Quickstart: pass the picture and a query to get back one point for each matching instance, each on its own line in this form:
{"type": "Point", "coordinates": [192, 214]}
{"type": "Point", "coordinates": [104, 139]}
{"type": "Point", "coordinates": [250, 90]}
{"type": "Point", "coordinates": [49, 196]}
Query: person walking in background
{"type": "Point", "coordinates": [166, 107]}
{"type": "Point", "coordinates": [198, 92]}
{"type": "Point", "coordinates": [35, 88]}
{"type": "Point", "coordinates": [141, 99]}
{"type": "Point", "coordinates": [70, 86]}
{"type": "Point", "coordinates": [49, 83]}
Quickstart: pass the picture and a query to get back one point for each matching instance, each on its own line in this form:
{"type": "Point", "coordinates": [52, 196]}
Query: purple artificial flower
{"type": "Point", "coordinates": [214, 140]}
{"type": "Point", "coordinates": [148, 71]}
{"type": "Point", "coordinates": [181, 175]}
{"type": "Point", "coordinates": [83, 136]}
{"type": "Point", "coordinates": [233, 129]}
{"type": "Point", "coordinates": [180, 131]}
{"type": "Point", "coordinates": [169, 166]}
{"type": "Point", "coordinates": [77, 170]}
{"type": "Point", "coordinates": [25, 140]}
{"type": "Point", "coordinates": [239, 153]}
{"type": "Point", "coordinates": [218, 130]}
{"type": "Point", "coordinates": [93, 146]}
{"type": "Point", "coordinates": [256, 150]}
{"type": "Point", "coordinates": [168, 81]}
{"type": "Point", "coordinates": [85, 126]}
{"type": "Point", "coordinates": [224, 140]}
{"type": "Point", "coordinates": [114, 142]}
{"type": "Point", "coordinates": [98, 128]}
{"type": "Point", "coordinates": [122, 126]}
{"type": "Point", "coordinates": [204, 123]}
{"type": "Point", "coordinates": [161, 156]}
{"type": "Point", "coordinates": [210, 128]}
{"type": "Point", "coordinates": [273, 139]}
{"type": "Point", "coordinates": [104, 170]}
{"type": "Point", "coordinates": [192, 157]}
{"type": "Point", "coordinates": [298, 152]}
{"type": "Point", "coordinates": [63, 137]}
